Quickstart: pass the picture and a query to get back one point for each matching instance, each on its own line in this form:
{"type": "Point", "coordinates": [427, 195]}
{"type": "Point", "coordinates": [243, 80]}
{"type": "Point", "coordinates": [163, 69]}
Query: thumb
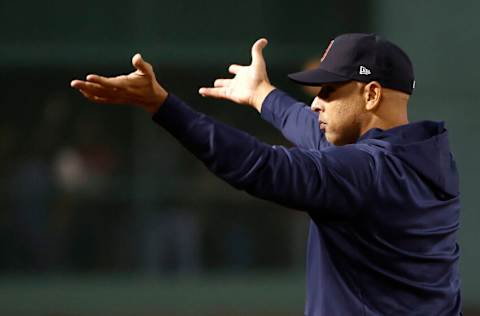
{"type": "Point", "coordinates": [257, 51]}
{"type": "Point", "coordinates": [142, 65]}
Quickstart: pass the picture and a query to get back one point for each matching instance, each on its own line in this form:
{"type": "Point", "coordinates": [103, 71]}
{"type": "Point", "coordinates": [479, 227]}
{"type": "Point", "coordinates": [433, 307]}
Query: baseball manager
{"type": "Point", "coordinates": [382, 192]}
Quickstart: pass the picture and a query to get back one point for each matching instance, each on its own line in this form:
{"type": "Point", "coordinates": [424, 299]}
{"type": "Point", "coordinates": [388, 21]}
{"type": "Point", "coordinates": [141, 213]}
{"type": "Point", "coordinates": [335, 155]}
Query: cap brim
{"type": "Point", "coordinates": [316, 77]}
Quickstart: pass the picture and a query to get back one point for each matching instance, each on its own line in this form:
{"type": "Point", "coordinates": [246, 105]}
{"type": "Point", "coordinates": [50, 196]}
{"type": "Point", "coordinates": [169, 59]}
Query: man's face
{"type": "Point", "coordinates": [341, 109]}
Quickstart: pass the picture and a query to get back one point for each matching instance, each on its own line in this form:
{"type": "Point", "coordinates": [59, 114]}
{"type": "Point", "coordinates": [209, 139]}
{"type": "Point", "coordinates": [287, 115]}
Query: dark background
{"type": "Point", "coordinates": [101, 212]}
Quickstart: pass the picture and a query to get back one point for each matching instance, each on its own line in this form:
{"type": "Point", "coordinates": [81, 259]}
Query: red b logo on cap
{"type": "Point", "coordinates": [326, 51]}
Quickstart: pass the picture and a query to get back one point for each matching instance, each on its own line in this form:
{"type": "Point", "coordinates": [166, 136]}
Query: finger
{"type": "Point", "coordinates": [95, 98]}
{"type": "Point", "coordinates": [93, 88]}
{"type": "Point", "coordinates": [257, 51]}
{"type": "Point", "coordinates": [142, 65]}
{"type": "Point", "coordinates": [218, 93]}
{"type": "Point", "coordinates": [79, 84]}
{"type": "Point", "coordinates": [222, 83]}
{"type": "Point", "coordinates": [75, 83]}
{"type": "Point", "coordinates": [234, 69]}
{"type": "Point", "coordinates": [112, 82]}
{"type": "Point", "coordinates": [110, 100]}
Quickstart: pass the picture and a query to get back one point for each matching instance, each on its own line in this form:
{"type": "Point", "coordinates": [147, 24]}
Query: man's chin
{"type": "Point", "coordinates": [329, 137]}
{"type": "Point", "coordinates": [335, 140]}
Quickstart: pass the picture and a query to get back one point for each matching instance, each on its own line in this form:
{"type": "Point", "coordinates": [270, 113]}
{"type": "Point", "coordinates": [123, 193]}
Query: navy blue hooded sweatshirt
{"type": "Point", "coordinates": [384, 211]}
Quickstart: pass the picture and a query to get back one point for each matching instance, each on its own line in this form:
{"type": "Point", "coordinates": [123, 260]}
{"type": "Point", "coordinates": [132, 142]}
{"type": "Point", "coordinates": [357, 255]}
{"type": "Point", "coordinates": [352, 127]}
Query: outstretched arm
{"type": "Point", "coordinates": [295, 178]}
{"type": "Point", "coordinates": [329, 184]}
{"type": "Point", "coordinates": [297, 122]}
{"type": "Point", "coordinates": [250, 86]}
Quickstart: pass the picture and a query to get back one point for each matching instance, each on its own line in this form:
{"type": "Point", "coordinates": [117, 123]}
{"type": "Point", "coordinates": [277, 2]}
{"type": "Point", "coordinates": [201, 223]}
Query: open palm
{"type": "Point", "coordinates": [249, 86]}
{"type": "Point", "coordinates": [140, 87]}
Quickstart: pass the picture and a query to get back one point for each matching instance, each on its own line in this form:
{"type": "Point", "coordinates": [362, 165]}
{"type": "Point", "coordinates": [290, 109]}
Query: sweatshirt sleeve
{"type": "Point", "coordinates": [307, 180]}
{"type": "Point", "coordinates": [294, 119]}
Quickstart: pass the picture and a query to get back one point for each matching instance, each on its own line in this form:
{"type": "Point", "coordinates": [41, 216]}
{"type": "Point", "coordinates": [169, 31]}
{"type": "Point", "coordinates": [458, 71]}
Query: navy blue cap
{"type": "Point", "coordinates": [361, 57]}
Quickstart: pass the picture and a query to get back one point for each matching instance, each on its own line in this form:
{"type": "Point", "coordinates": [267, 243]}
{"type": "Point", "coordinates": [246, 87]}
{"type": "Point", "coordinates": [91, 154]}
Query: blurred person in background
{"type": "Point", "coordinates": [381, 192]}
{"type": "Point", "coordinates": [171, 242]}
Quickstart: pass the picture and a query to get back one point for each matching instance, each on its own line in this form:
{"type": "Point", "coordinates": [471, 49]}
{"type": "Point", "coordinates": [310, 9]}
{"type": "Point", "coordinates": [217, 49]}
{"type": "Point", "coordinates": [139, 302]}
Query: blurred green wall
{"type": "Point", "coordinates": [443, 39]}
{"type": "Point", "coordinates": [183, 32]}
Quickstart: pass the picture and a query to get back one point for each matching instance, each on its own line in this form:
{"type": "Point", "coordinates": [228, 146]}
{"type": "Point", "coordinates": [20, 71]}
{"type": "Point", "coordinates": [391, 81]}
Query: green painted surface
{"type": "Point", "coordinates": [270, 293]}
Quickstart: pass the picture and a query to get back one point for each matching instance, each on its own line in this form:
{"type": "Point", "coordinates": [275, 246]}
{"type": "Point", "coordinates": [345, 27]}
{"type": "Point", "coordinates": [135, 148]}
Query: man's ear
{"type": "Point", "coordinates": [372, 92]}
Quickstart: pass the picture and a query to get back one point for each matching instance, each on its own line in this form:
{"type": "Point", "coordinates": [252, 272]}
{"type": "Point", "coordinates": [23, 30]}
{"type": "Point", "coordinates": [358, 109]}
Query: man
{"type": "Point", "coordinates": [382, 193]}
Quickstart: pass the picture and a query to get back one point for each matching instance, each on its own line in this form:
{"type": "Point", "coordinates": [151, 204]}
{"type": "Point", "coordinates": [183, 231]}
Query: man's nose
{"type": "Point", "coordinates": [317, 105]}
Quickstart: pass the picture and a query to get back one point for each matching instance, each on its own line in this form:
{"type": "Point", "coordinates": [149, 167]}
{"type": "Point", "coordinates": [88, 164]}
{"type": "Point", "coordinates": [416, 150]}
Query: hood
{"type": "Point", "coordinates": [424, 147]}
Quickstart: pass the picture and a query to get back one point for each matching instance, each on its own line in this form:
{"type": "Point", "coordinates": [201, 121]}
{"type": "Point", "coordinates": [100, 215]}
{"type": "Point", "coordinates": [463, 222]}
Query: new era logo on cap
{"type": "Point", "coordinates": [364, 71]}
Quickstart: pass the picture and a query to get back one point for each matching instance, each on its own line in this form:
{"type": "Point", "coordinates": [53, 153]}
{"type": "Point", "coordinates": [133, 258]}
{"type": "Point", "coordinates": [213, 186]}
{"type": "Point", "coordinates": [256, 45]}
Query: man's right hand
{"type": "Point", "coordinates": [249, 86]}
{"type": "Point", "coordinates": [140, 87]}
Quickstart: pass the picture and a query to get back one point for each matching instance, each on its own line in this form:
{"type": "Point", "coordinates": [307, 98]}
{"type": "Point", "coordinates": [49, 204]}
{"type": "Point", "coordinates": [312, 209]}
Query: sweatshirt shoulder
{"type": "Point", "coordinates": [353, 158]}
